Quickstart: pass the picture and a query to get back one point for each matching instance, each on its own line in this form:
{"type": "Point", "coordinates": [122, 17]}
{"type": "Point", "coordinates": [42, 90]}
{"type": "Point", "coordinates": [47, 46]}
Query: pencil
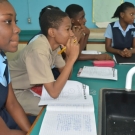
{"type": "Point", "coordinates": [61, 51]}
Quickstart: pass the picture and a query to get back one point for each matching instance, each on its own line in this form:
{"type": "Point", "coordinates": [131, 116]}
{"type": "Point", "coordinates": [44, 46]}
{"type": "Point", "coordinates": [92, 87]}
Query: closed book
{"type": "Point", "coordinates": [124, 60]}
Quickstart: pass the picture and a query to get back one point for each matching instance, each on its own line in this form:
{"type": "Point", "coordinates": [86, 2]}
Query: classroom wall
{"type": "Point", "coordinates": [24, 11]}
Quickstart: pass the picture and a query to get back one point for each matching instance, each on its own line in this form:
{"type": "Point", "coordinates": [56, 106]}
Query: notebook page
{"type": "Point", "coordinates": [71, 93]}
{"type": "Point", "coordinates": [89, 107]}
{"type": "Point", "coordinates": [90, 52]}
{"type": "Point", "coordinates": [68, 123]}
{"type": "Point", "coordinates": [99, 72]}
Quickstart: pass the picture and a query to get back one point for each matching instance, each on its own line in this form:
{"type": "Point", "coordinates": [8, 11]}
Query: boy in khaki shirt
{"type": "Point", "coordinates": [33, 66]}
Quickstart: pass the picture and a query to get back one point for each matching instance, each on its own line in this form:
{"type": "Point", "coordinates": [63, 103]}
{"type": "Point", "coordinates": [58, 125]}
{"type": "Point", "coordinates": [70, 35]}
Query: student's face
{"type": "Point", "coordinates": [79, 19]}
{"type": "Point", "coordinates": [64, 32]}
{"type": "Point", "coordinates": [128, 15]}
{"type": "Point", "coordinates": [8, 30]}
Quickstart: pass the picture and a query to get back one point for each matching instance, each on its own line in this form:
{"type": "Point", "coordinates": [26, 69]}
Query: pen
{"type": "Point", "coordinates": [61, 51]}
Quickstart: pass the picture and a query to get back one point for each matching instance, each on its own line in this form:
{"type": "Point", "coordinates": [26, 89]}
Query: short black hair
{"type": "Point", "coordinates": [73, 9]}
{"type": "Point", "coordinates": [122, 8]}
{"type": "Point", "coordinates": [49, 7]}
{"type": "Point", "coordinates": [51, 19]}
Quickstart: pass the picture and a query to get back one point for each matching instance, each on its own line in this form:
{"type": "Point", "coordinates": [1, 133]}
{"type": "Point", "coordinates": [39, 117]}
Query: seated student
{"type": "Point", "coordinates": [120, 35]}
{"type": "Point", "coordinates": [13, 120]}
{"type": "Point", "coordinates": [33, 66]}
{"type": "Point", "coordinates": [77, 16]}
{"type": "Point", "coordinates": [55, 71]}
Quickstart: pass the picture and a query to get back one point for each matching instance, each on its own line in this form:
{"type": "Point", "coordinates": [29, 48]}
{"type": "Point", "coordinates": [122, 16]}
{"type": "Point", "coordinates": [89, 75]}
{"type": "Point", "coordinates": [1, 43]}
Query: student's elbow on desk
{"type": "Point", "coordinates": [51, 91]}
{"type": "Point", "coordinates": [53, 95]}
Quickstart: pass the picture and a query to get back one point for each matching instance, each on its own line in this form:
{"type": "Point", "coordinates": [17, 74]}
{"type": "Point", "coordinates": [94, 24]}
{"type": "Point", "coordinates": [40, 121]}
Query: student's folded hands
{"type": "Point", "coordinates": [125, 53]}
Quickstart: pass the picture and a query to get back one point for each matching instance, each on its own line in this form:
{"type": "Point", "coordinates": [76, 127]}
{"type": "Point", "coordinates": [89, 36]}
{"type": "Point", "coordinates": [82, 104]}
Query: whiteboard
{"type": "Point", "coordinates": [103, 10]}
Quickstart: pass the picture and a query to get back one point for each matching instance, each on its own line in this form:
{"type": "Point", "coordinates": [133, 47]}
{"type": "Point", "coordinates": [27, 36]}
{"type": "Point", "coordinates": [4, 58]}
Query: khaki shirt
{"type": "Point", "coordinates": [33, 65]}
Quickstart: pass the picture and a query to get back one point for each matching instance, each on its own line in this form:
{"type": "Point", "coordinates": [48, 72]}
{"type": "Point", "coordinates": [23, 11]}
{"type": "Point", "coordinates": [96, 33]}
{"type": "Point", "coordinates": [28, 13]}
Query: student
{"type": "Point", "coordinates": [13, 120]}
{"type": "Point", "coordinates": [33, 66]}
{"type": "Point", "coordinates": [55, 71]}
{"type": "Point", "coordinates": [77, 16]}
{"type": "Point", "coordinates": [49, 7]}
{"type": "Point", "coordinates": [120, 35]}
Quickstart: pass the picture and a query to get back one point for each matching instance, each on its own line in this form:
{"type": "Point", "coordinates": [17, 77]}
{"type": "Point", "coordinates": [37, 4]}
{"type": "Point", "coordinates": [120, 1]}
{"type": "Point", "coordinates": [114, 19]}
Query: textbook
{"type": "Point", "coordinates": [124, 60]}
{"type": "Point", "coordinates": [98, 72]}
{"type": "Point", "coordinates": [72, 113]}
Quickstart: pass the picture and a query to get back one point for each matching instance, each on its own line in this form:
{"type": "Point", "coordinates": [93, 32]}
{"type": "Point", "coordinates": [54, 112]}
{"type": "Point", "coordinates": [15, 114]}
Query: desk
{"type": "Point", "coordinates": [95, 85]}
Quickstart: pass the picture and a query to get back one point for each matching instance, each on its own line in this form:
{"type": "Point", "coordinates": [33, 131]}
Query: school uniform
{"type": "Point", "coordinates": [33, 67]}
{"type": "Point", "coordinates": [120, 39]}
{"type": "Point", "coordinates": [55, 70]}
{"type": "Point", "coordinates": [4, 81]}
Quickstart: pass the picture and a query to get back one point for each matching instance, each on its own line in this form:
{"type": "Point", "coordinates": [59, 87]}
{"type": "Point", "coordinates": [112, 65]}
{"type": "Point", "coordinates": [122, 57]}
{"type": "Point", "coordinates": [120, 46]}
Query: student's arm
{"type": "Point", "coordinates": [95, 57]}
{"type": "Point", "coordinates": [82, 34]}
{"type": "Point", "coordinates": [16, 111]}
{"type": "Point", "coordinates": [60, 69]}
{"type": "Point", "coordinates": [84, 40]}
{"type": "Point", "coordinates": [133, 46]}
{"type": "Point", "coordinates": [4, 130]}
{"type": "Point", "coordinates": [72, 51]}
{"type": "Point", "coordinates": [110, 49]}
{"type": "Point", "coordinates": [128, 53]}
{"type": "Point", "coordinates": [108, 42]}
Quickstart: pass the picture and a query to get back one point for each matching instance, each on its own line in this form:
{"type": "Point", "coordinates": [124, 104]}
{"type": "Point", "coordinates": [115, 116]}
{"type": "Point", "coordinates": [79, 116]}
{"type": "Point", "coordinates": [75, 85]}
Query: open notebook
{"type": "Point", "coordinates": [98, 72]}
{"type": "Point", "coordinates": [72, 113]}
{"type": "Point", "coordinates": [73, 92]}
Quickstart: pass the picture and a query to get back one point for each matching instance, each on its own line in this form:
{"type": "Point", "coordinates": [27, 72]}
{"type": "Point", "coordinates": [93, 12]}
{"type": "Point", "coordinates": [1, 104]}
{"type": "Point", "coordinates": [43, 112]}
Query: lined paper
{"type": "Point", "coordinates": [99, 72]}
{"type": "Point", "coordinates": [68, 123]}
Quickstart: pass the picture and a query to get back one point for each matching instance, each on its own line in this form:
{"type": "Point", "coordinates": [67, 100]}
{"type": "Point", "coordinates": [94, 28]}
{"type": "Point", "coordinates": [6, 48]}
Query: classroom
{"type": "Point", "coordinates": [106, 103]}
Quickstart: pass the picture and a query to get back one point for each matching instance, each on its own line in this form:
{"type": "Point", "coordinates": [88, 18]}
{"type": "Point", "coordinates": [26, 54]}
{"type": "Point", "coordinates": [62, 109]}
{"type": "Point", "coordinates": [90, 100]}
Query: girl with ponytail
{"type": "Point", "coordinates": [120, 35]}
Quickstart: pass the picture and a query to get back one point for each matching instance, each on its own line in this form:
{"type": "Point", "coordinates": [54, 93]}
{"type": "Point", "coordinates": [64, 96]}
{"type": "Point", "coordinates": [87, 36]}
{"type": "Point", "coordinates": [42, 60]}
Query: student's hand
{"type": "Point", "coordinates": [85, 30]}
{"type": "Point", "coordinates": [127, 52]}
{"type": "Point", "coordinates": [78, 32]}
{"type": "Point", "coordinates": [121, 53]}
{"type": "Point", "coordinates": [72, 49]}
{"type": "Point", "coordinates": [103, 57]}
